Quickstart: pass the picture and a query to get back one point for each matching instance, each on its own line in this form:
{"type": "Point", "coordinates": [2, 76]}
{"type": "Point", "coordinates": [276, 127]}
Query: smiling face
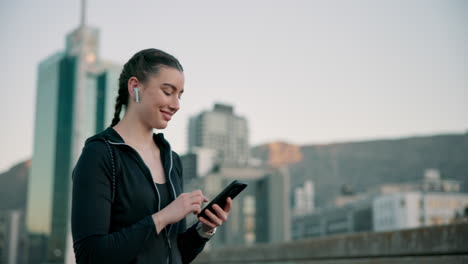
{"type": "Point", "coordinates": [159, 97]}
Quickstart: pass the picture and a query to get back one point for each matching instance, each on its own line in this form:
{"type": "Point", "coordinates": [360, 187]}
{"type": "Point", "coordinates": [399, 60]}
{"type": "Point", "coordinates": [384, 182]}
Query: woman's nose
{"type": "Point", "coordinates": [175, 104]}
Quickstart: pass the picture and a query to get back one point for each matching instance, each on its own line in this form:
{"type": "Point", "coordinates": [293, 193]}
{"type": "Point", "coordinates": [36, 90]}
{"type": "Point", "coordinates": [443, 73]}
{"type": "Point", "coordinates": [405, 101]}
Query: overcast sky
{"type": "Point", "coordinates": [300, 71]}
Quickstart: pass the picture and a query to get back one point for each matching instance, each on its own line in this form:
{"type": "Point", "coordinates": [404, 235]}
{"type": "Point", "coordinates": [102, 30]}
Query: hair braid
{"type": "Point", "coordinates": [118, 108]}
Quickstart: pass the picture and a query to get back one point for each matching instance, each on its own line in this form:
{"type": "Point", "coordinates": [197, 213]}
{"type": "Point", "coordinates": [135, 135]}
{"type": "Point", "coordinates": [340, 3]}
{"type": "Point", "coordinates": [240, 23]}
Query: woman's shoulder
{"type": "Point", "coordinates": [95, 150]}
{"type": "Point", "coordinates": [94, 162]}
{"type": "Point", "coordinates": [175, 155]}
{"type": "Point", "coordinates": [176, 158]}
{"type": "Point", "coordinates": [98, 144]}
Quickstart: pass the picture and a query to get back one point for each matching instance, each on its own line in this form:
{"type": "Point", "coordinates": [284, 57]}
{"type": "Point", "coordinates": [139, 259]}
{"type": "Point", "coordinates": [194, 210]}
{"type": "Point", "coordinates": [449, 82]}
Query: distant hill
{"type": "Point", "coordinates": [361, 165]}
{"type": "Point", "coordinates": [14, 186]}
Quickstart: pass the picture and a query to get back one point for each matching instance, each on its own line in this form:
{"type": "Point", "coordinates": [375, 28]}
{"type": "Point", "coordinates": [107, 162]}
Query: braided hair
{"type": "Point", "coordinates": [143, 64]}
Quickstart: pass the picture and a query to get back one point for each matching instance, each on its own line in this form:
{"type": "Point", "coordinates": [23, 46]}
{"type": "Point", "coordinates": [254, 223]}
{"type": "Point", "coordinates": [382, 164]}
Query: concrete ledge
{"type": "Point", "coordinates": [448, 243]}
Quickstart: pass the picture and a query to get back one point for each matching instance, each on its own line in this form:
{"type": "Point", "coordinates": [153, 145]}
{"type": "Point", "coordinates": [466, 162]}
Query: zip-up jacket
{"type": "Point", "coordinates": [111, 216]}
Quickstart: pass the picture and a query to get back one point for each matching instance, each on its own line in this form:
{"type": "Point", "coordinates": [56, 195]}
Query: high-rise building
{"type": "Point", "coordinates": [76, 93]}
{"type": "Point", "coordinates": [223, 131]}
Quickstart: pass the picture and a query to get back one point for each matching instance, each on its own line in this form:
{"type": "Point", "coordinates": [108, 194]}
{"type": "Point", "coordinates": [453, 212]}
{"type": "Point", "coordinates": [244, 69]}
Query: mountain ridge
{"type": "Point", "coordinates": [365, 164]}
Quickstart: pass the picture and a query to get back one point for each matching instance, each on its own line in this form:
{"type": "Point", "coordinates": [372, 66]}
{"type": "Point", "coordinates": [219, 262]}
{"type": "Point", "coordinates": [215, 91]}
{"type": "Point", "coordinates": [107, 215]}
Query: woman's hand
{"type": "Point", "coordinates": [215, 220]}
{"type": "Point", "coordinates": [178, 209]}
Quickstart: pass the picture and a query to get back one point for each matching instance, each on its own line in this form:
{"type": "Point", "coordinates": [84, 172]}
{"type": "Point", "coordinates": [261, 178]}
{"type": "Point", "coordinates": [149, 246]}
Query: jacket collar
{"type": "Point", "coordinates": [111, 135]}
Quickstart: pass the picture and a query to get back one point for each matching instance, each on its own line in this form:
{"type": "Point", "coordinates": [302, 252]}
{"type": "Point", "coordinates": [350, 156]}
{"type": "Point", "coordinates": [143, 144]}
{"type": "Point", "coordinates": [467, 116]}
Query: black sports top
{"type": "Point", "coordinates": [164, 196]}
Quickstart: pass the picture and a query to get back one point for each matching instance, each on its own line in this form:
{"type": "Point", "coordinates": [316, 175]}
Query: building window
{"type": "Point", "coordinates": [436, 220]}
{"type": "Point", "coordinates": [249, 219]}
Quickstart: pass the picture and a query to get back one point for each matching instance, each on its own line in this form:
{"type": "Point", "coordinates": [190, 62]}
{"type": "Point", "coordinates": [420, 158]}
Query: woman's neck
{"type": "Point", "coordinates": [134, 132]}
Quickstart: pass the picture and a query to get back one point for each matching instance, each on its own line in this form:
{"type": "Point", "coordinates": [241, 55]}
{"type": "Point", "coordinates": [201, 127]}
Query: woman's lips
{"type": "Point", "coordinates": [166, 115]}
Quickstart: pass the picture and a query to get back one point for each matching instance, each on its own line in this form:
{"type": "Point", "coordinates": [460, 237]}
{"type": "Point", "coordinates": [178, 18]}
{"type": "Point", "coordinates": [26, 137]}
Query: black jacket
{"type": "Point", "coordinates": [111, 221]}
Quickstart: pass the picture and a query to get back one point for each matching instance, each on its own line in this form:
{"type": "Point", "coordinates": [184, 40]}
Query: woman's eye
{"type": "Point", "coordinates": [166, 93]}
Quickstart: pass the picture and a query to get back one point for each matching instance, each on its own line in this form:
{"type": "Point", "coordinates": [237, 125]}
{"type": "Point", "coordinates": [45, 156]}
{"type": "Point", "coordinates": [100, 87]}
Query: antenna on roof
{"type": "Point", "coordinates": [83, 13]}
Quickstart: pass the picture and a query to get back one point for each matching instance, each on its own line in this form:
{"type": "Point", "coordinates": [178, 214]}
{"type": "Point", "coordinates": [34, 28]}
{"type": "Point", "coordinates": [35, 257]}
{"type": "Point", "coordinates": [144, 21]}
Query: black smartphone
{"type": "Point", "coordinates": [232, 190]}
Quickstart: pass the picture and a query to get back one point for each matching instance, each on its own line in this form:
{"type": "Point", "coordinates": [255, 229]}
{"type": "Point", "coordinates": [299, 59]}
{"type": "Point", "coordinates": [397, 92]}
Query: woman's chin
{"type": "Point", "coordinates": [160, 125]}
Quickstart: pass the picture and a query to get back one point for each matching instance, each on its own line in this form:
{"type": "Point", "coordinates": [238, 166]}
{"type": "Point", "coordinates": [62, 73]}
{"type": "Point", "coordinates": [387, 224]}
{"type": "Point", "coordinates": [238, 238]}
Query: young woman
{"type": "Point", "coordinates": [128, 204]}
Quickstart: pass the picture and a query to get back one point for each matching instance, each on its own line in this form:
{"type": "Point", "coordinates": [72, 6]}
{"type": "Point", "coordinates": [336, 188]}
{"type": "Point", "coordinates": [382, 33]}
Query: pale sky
{"type": "Point", "coordinates": [300, 71]}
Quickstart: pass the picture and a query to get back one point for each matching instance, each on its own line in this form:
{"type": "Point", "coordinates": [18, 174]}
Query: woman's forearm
{"type": "Point", "coordinates": [159, 221]}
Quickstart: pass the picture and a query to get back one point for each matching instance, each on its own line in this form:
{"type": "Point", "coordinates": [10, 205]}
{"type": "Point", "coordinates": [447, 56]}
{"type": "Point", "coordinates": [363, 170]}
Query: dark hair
{"type": "Point", "coordinates": [143, 64]}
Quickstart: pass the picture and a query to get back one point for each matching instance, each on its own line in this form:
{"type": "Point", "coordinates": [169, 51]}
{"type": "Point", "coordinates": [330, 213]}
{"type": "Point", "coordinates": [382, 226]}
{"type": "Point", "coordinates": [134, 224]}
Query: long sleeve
{"type": "Point", "coordinates": [190, 243]}
{"type": "Point", "coordinates": [91, 213]}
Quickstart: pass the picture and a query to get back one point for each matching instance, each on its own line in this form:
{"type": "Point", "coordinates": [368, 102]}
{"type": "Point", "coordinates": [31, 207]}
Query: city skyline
{"type": "Point", "coordinates": [340, 71]}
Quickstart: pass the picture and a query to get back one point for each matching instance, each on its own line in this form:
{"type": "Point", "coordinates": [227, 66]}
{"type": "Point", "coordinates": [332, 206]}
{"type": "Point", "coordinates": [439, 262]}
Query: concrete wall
{"type": "Point", "coordinates": [440, 244]}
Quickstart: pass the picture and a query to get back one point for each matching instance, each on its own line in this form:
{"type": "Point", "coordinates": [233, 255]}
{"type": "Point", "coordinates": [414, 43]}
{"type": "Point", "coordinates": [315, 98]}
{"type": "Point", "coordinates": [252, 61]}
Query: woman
{"type": "Point", "coordinates": [128, 205]}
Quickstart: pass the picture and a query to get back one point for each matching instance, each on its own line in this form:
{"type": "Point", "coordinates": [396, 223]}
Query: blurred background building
{"type": "Point", "coordinates": [11, 239]}
{"type": "Point", "coordinates": [260, 214]}
{"type": "Point", "coordinates": [219, 154]}
{"type": "Point", "coordinates": [222, 130]}
{"type": "Point", "coordinates": [13, 194]}
{"type": "Point", "coordinates": [76, 93]}
{"type": "Point", "coordinates": [431, 201]}
{"type": "Point", "coordinates": [199, 163]}
{"type": "Point", "coordinates": [303, 201]}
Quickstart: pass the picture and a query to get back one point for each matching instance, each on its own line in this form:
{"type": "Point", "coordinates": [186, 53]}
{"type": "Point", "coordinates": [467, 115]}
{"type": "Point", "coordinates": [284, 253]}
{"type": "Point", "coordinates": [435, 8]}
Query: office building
{"type": "Point", "coordinates": [416, 209]}
{"type": "Point", "coordinates": [260, 214]}
{"type": "Point", "coordinates": [223, 131]}
{"type": "Point", "coordinates": [303, 201]}
{"type": "Point", "coordinates": [431, 201]}
{"type": "Point", "coordinates": [76, 93]}
{"type": "Point", "coordinates": [273, 207]}
{"type": "Point", "coordinates": [11, 236]}
{"type": "Point", "coordinates": [353, 217]}
{"type": "Point", "coordinates": [199, 163]}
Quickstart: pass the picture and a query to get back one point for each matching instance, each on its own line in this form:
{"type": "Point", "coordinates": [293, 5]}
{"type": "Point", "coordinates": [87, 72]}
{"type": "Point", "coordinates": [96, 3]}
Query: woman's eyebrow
{"type": "Point", "coordinates": [173, 87]}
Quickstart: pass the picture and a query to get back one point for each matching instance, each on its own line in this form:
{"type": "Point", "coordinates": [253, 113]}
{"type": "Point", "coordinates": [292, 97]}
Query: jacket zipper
{"type": "Point", "coordinates": [154, 185]}
{"type": "Point", "coordinates": [170, 178]}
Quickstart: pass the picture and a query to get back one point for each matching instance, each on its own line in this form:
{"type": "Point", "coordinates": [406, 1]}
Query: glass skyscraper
{"type": "Point", "coordinates": [75, 99]}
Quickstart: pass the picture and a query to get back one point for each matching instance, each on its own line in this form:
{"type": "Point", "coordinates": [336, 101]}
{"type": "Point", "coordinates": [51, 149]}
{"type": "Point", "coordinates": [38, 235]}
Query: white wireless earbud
{"type": "Point", "coordinates": [137, 97]}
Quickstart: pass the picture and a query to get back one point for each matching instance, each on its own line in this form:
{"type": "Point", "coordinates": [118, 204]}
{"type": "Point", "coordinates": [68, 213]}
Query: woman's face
{"type": "Point", "coordinates": [160, 97]}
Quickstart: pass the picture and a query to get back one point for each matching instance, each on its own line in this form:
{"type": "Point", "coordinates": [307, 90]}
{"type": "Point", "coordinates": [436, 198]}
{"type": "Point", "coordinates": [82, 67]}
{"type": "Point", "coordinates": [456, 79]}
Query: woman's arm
{"type": "Point", "coordinates": [190, 243]}
{"type": "Point", "coordinates": [91, 213]}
